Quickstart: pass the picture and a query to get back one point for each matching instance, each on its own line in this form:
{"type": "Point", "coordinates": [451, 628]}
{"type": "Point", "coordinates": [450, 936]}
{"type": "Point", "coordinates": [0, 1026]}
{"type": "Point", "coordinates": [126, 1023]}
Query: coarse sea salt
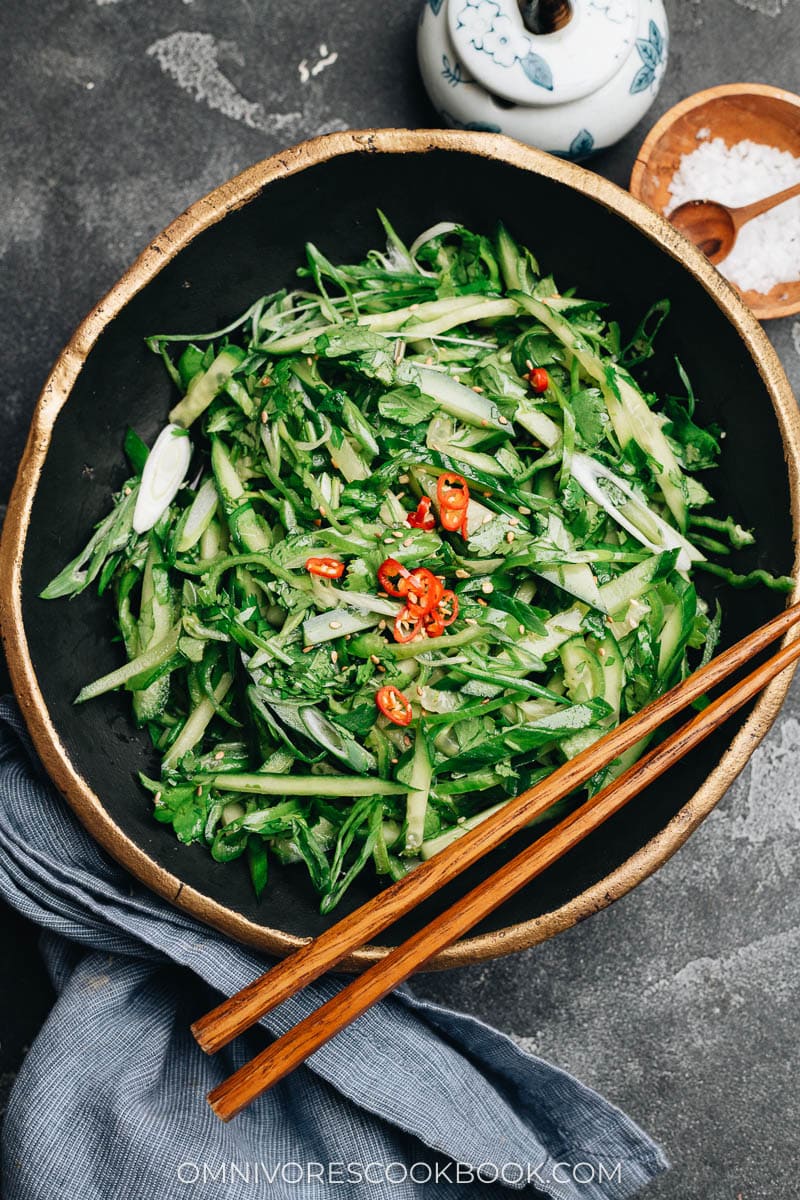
{"type": "Point", "coordinates": [767, 249]}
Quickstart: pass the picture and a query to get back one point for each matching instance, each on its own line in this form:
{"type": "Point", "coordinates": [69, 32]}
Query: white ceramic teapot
{"type": "Point", "coordinates": [569, 76]}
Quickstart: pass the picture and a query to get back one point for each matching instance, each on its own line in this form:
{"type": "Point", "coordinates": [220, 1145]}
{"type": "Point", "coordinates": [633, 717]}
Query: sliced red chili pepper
{"type": "Point", "coordinates": [394, 705]}
{"type": "Point", "coordinates": [539, 379]}
{"type": "Point", "coordinates": [406, 626]}
{"type": "Point", "coordinates": [393, 577]}
{"type": "Point", "coordinates": [452, 491]}
{"type": "Point", "coordinates": [326, 568]}
{"type": "Point", "coordinates": [423, 518]}
{"type": "Point", "coordinates": [447, 608]}
{"type": "Point", "coordinates": [423, 592]}
{"type": "Point", "coordinates": [434, 626]}
{"type": "Point", "coordinates": [452, 518]}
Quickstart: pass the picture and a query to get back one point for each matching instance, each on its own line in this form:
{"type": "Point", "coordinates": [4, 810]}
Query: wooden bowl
{"type": "Point", "coordinates": [245, 239]}
{"type": "Point", "coordinates": [734, 111]}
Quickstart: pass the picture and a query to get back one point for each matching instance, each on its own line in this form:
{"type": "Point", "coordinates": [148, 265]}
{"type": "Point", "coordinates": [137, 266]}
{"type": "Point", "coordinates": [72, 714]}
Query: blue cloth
{"type": "Point", "coordinates": [409, 1102]}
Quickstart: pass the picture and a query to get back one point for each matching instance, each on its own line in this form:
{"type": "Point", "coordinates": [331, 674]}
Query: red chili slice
{"type": "Point", "coordinates": [406, 626]}
{"type": "Point", "coordinates": [452, 491]}
{"type": "Point", "coordinates": [423, 592]}
{"type": "Point", "coordinates": [423, 518]}
{"type": "Point", "coordinates": [447, 608]}
{"type": "Point", "coordinates": [393, 577]}
{"type": "Point", "coordinates": [434, 626]}
{"type": "Point", "coordinates": [539, 379]}
{"type": "Point", "coordinates": [326, 568]}
{"type": "Point", "coordinates": [394, 705]}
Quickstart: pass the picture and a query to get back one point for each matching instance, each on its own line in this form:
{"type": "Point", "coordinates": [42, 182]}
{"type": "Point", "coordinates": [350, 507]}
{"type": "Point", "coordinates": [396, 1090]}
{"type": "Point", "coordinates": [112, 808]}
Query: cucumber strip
{"type": "Point", "coordinates": [417, 800]}
{"type": "Point", "coordinates": [154, 657]}
{"type": "Point", "coordinates": [198, 517]}
{"type": "Point", "coordinates": [246, 526]}
{"type": "Point", "coordinates": [634, 582]}
{"type": "Point", "coordinates": [433, 845]}
{"type": "Point", "coordinates": [303, 785]}
{"type": "Point", "coordinates": [336, 623]}
{"type": "Point", "coordinates": [461, 402]}
{"type": "Point", "coordinates": [204, 387]}
{"type": "Point", "coordinates": [196, 724]}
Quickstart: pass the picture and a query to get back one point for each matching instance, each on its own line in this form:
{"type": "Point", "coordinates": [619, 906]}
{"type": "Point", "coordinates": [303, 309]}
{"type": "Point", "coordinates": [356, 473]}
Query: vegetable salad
{"type": "Point", "coordinates": [412, 536]}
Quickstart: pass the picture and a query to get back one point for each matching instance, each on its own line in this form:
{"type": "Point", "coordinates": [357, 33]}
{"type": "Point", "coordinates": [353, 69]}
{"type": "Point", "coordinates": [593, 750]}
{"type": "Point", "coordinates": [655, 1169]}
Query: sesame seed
{"type": "Point", "coordinates": [127, 491]}
{"type": "Point", "coordinates": [481, 602]}
{"type": "Point", "coordinates": [199, 790]}
{"type": "Point", "coordinates": [409, 541]}
{"type": "Point", "coordinates": [513, 520]}
{"type": "Point", "coordinates": [307, 649]}
{"type": "Point", "coordinates": [382, 669]}
{"type": "Point", "coordinates": [428, 361]}
{"type": "Point", "coordinates": [400, 495]}
{"type": "Point", "coordinates": [403, 478]}
{"type": "Point", "coordinates": [522, 628]}
{"type": "Point", "coordinates": [399, 534]}
{"type": "Point", "coordinates": [406, 740]}
{"type": "Point", "coordinates": [309, 360]}
{"type": "Point", "coordinates": [264, 417]}
{"type": "Point", "coordinates": [419, 690]}
{"type": "Point", "coordinates": [486, 519]}
{"type": "Point", "coordinates": [460, 573]}
{"type": "Point", "coordinates": [510, 536]}
{"type": "Point", "coordinates": [487, 587]}
{"type": "Point", "coordinates": [157, 798]}
{"type": "Point", "coordinates": [484, 421]}
{"type": "Point", "coordinates": [461, 820]}
{"type": "Point", "coordinates": [395, 760]}
{"type": "Point", "coordinates": [413, 307]}
{"type": "Point", "coordinates": [529, 364]}
{"type": "Point", "coordinates": [503, 420]}
{"type": "Point", "coordinates": [334, 624]}
{"type": "Point", "coordinates": [381, 625]}
{"type": "Point", "coordinates": [524, 511]}
{"type": "Point", "coordinates": [321, 511]}
{"type": "Point", "coordinates": [470, 621]}
{"type": "Point", "coordinates": [220, 754]}
{"type": "Point", "coordinates": [475, 388]}
{"type": "Point", "coordinates": [374, 658]}
{"type": "Point", "coordinates": [334, 656]}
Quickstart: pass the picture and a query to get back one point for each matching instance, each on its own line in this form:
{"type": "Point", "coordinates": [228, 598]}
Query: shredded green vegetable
{"type": "Point", "coordinates": [318, 422]}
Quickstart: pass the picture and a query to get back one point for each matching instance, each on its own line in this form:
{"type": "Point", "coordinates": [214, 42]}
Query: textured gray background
{"type": "Point", "coordinates": [680, 1002]}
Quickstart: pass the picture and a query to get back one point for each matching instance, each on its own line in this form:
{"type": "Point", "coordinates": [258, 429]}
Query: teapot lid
{"type": "Point", "coordinates": [508, 60]}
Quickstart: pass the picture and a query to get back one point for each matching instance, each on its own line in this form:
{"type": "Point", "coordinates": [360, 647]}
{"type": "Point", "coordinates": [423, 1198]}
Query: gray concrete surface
{"type": "Point", "coordinates": [680, 1002]}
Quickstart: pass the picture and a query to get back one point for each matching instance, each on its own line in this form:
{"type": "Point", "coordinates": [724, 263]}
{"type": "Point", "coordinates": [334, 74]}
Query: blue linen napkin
{"type": "Point", "coordinates": [411, 1101]}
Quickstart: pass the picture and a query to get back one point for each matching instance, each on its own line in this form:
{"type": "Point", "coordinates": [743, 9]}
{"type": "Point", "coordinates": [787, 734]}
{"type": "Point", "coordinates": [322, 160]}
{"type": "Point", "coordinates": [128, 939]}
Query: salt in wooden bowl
{"type": "Point", "coordinates": [733, 112]}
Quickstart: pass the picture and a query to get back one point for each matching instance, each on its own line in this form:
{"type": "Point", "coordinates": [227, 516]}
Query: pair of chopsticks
{"type": "Point", "coordinates": [312, 960]}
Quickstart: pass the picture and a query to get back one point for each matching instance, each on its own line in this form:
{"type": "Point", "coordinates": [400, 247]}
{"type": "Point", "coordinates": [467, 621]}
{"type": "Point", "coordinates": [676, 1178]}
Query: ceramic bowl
{"type": "Point", "coordinates": [246, 238]}
{"type": "Point", "coordinates": [734, 112]}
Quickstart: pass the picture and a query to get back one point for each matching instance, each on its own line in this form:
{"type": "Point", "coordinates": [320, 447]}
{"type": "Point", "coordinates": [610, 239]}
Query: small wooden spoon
{"type": "Point", "coordinates": [713, 227]}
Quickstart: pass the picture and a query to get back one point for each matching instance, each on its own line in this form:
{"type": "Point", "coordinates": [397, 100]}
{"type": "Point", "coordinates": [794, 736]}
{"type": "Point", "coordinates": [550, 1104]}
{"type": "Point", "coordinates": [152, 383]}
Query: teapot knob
{"type": "Point", "coordinates": [545, 16]}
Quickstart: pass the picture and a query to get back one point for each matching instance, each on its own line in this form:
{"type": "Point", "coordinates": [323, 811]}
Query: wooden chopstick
{"type": "Point", "coordinates": [294, 1047]}
{"type": "Point", "coordinates": [235, 1015]}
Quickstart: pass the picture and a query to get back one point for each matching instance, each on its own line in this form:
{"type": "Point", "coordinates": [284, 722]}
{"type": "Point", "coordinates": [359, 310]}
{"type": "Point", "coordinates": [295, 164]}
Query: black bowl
{"type": "Point", "coordinates": [245, 239]}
